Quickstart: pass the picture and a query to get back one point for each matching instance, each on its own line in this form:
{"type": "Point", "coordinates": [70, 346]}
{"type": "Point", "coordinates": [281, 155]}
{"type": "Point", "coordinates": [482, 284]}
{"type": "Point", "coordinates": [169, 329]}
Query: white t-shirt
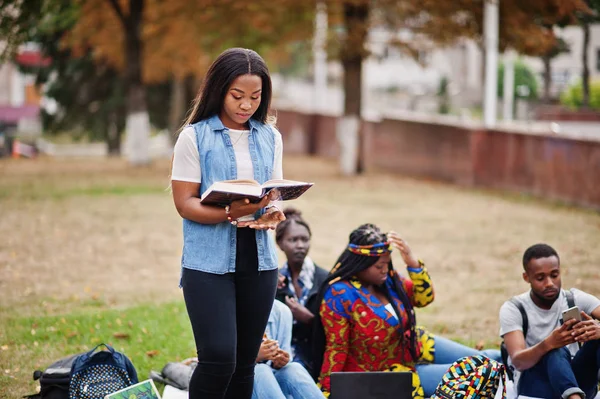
{"type": "Point", "coordinates": [186, 160]}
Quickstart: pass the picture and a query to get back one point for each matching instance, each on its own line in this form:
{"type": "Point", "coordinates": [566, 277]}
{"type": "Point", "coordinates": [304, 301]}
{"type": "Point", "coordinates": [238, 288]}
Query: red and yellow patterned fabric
{"type": "Point", "coordinates": [361, 334]}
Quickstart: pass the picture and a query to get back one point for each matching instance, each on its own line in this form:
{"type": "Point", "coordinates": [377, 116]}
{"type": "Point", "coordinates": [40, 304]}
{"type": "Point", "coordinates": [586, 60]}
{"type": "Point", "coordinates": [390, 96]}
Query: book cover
{"type": "Point", "coordinates": [225, 192]}
{"type": "Point", "coordinates": [142, 390]}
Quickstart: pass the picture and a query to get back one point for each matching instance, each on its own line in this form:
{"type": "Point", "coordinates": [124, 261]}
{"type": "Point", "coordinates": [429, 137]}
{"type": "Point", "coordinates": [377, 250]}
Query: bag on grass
{"type": "Point", "coordinates": [95, 375]}
{"type": "Point", "coordinates": [176, 374]}
{"type": "Point", "coordinates": [55, 380]}
{"type": "Point", "coordinates": [472, 377]}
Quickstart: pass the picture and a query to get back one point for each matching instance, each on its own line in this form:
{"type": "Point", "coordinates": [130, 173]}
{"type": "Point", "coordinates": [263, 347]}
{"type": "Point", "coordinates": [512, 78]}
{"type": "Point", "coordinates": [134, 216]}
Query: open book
{"type": "Point", "coordinates": [142, 390]}
{"type": "Point", "coordinates": [224, 192]}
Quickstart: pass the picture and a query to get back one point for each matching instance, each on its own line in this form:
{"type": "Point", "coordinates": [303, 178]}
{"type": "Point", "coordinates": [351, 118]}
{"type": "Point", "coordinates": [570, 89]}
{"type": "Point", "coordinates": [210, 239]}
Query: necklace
{"type": "Point", "coordinates": [238, 139]}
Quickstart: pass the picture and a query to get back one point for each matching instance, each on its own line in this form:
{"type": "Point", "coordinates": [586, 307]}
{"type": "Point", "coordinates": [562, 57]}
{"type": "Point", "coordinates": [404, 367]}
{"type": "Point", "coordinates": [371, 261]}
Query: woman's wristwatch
{"type": "Point", "coordinates": [228, 214]}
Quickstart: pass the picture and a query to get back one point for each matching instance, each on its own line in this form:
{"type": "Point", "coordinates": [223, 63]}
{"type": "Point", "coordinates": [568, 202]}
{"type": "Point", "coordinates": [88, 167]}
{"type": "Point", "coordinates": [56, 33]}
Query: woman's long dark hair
{"type": "Point", "coordinates": [347, 266]}
{"type": "Point", "coordinates": [228, 66]}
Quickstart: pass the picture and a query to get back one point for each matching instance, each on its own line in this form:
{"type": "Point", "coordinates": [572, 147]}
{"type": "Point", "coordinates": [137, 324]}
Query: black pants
{"type": "Point", "coordinates": [229, 314]}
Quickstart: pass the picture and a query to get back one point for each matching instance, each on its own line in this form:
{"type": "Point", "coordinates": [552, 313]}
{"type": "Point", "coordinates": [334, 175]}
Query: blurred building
{"type": "Point", "coordinates": [413, 84]}
{"type": "Point", "coordinates": [20, 99]}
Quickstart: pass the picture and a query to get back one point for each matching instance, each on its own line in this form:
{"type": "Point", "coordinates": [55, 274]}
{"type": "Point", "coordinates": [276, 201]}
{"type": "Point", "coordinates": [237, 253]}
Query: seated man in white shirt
{"type": "Point", "coordinates": [549, 362]}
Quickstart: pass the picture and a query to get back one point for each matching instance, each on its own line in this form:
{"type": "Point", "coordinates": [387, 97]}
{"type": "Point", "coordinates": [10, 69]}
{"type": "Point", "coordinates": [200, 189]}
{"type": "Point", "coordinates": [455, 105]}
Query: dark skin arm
{"type": "Point", "coordinates": [300, 312]}
{"type": "Point", "coordinates": [187, 202]}
{"type": "Point", "coordinates": [524, 358]}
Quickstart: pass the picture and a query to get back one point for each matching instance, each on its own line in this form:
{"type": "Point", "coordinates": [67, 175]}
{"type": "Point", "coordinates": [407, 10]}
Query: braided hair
{"type": "Point", "coordinates": [349, 265]}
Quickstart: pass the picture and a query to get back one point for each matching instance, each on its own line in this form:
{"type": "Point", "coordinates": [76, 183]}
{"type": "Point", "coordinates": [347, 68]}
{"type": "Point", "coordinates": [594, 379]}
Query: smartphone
{"type": "Point", "coordinates": [572, 313]}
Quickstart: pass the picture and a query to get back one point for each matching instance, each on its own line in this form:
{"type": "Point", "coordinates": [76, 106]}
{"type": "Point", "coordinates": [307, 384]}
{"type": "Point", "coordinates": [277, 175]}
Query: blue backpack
{"type": "Point", "coordinates": [95, 375]}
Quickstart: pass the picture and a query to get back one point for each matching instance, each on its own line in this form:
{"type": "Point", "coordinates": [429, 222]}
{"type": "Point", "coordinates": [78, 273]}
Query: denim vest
{"type": "Point", "coordinates": [212, 247]}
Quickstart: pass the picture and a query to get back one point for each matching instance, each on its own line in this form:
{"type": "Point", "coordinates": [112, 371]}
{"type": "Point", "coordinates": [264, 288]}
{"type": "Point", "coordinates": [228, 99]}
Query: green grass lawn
{"type": "Point", "coordinates": [150, 335]}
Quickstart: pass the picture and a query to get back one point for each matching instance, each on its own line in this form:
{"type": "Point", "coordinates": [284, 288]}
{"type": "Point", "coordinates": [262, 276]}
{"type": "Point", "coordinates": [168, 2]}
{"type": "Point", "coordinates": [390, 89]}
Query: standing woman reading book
{"type": "Point", "coordinates": [229, 264]}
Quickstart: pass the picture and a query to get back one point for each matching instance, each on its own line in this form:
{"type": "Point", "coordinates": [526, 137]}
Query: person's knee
{"type": "Point", "coordinates": [555, 358]}
{"type": "Point", "coordinates": [558, 354]}
{"type": "Point", "coordinates": [294, 370]}
{"type": "Point", "coordinates": [217, 359]}
{"type": "Point", "coordinates": [262, 369]}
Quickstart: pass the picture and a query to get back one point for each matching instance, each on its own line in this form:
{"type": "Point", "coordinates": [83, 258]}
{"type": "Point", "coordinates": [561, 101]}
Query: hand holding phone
{"type": "Point", "coordinates": [572, 313]}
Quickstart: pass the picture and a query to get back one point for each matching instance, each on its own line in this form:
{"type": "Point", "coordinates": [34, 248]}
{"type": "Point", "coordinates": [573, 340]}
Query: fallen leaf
{"type": "Point", "coordinates": [4, 347]}
{"type": "Point", "coordinates": [480, 345]}
{"type": "Point", "coordinates": [152, 353]}
{"type": "Point", "coordinates": [71, 334]}
{"type": "Point", "coordinates": [121, 335]}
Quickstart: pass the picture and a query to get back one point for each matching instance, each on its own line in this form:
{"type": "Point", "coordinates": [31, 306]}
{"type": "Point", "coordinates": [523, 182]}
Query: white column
{"type": "Point", "coordinates": [17, 88]}
{"type": "Point", "coordinates": [320, 57]}
{"type": "Point", "coordinates": [508, 94]}
{"type": "Point", "coordinates": [490, 32]}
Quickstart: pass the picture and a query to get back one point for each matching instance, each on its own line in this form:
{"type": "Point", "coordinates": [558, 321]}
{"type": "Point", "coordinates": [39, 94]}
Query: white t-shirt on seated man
{"type": "Point", "coordinates": [546, 336]}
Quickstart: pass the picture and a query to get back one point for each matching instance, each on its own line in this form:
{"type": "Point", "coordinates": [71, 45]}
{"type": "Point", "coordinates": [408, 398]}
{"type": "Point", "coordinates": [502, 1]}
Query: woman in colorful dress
{"type": "Point", "coordinates": [367, 319]}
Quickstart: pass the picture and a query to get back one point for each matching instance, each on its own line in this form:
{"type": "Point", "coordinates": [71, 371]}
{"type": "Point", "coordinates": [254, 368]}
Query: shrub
{"type": "Point", "coordinates": [572, 97]}
{"type": "Point", "coordinates": [523, 77]}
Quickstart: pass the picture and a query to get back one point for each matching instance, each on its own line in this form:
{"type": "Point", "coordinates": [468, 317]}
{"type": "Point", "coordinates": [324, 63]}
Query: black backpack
{"type": "Point", "coordinates": [55, 380]}
{"type": "Point", "coordinates": [504, 352]}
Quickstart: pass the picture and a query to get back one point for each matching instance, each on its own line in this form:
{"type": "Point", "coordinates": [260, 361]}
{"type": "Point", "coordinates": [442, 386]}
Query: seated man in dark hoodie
{"type": "Point", "coordinates": [300, 280]}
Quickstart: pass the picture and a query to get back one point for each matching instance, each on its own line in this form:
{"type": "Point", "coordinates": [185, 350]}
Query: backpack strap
{"type": "Point", "coordinates": [570, 298]}
{"type": "Point", "coordinates": [519, 306]}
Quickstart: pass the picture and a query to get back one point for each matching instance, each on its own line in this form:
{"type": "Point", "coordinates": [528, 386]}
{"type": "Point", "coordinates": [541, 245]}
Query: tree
{"type": "Point", "coordinates": [418, 26]}
{"type": "Point", "coordinates": [585, 19]}
{"type": "Point", "coordinates": [559, 47]}
{"type": "Point", "coordinates": [181, 36]}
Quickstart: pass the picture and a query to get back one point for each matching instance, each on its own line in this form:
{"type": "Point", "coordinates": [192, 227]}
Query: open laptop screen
{"type": "Point", "coordinates": [371, 385]}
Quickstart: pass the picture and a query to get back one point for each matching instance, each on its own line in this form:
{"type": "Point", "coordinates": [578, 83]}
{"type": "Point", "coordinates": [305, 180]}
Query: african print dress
{"type": "Point", "coordinates": [361, 333]}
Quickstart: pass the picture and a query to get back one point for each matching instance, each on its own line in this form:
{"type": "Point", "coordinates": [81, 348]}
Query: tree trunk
{"type": "Point", "coordinates": [138, 122]}
{"type": "Point", "coordinates": [353, 52]}
{"type": "Point", "coordinates": [113, 136]}
{"type": "Point", "coordinates": [547, 76]}
{"type": "Point", "coordinates": [177, 106]}
{"type": "Point", "coordinates": [585, 77]}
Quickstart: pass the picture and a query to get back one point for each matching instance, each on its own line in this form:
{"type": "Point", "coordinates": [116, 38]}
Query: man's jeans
{"type": "Point", "coordinates": [446, 353]}
{"type": "Point", "coordinates": [556, 375]}
{"type": "Point", "coordinates": [289, 382]}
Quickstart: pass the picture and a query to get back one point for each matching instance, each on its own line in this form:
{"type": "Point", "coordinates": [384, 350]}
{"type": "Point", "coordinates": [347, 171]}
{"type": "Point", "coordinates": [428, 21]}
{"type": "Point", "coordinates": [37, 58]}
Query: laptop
{"type": "Point", "coordinates": [371, 385]}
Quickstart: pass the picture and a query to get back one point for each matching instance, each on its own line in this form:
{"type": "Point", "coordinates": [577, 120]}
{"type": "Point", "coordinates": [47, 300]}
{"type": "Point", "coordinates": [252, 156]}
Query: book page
{"type": "Point", "coordinates": [283, 182]}
{"type": "Point", "coordinates": [242, 182]}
